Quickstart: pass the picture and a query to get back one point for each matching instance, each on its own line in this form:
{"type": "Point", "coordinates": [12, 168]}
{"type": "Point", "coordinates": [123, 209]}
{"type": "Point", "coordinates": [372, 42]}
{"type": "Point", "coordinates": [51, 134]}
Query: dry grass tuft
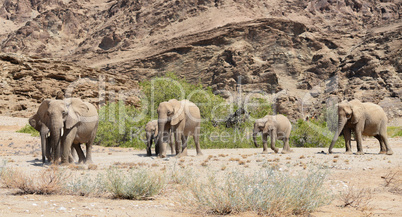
{"type": "Point", "coordinates": [48, 181]}
{"type": "Point", "coordinates": [358, 198]}
{"type": "Point", "coordinates": [92, 167]}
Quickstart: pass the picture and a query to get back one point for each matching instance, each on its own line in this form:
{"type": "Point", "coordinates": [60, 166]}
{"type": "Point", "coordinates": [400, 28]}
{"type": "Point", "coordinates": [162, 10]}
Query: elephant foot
{"type": "Point", "coordinates": [89, 162]}
{"type": "Point", "coordinates": [360, 153]}
{"type": "Point", "coordinates": [348, 152]}
{"type": "Point", "coordinates": [382, 152]}
{"type": "Point", "coordinates": [390, 152]}
{"type": "Point", "coordinates": [287, 151]}
{"type": "Point", "coordinates": [265, 152]}
{"type": "Point", "coordinates": [199, 153]}
{"type": "Point", "coordinates": [181, 155]}
{"type": "Point", "coordinates": [276, 151]}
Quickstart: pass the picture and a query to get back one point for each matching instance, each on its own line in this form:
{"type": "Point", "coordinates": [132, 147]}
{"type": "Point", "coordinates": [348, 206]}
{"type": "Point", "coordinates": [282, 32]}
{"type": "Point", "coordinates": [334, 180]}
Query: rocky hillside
{"type": "Point", "coordinates": [26, 81]}
{"type": "Point", "coordinates": [299, 53]}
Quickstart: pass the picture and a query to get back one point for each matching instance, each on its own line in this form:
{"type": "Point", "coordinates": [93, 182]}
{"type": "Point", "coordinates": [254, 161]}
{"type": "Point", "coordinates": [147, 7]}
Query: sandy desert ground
{"type": "Point", "coordinates": [358, 171]}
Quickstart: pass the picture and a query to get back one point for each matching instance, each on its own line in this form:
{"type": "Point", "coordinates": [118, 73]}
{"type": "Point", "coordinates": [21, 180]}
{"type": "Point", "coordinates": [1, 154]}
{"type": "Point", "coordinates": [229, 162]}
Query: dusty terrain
{"type": "Point", "coordinates": [365, 171]}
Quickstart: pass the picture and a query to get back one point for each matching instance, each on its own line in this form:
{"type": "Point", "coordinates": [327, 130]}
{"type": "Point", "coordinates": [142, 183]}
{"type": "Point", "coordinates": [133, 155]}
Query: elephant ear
{"type": "Point", "coordinates": [76, 109]}
{"type": "Point", "coordinates": [32, 121]}
{"type": "Point", "coordinates": [357, 111]}
{"type": "Point", "coordinates": [178, 113]}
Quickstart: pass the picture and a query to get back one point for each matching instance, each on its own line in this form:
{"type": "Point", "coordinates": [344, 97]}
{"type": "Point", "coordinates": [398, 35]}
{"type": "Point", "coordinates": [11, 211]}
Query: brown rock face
{"type": "Point", "coordinates": [26, 82]}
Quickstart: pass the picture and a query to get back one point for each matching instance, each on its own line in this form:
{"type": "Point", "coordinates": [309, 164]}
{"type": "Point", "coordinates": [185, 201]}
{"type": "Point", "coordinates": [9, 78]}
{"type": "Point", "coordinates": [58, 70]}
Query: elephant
{"type": "Point", "coordinates": [42, 121]}
{"type": "Point", "coordinates": [184, 118]}
{"type": "Point", "coordinates": [81, 124]}
{"type": "Point", "coordinates": [366, 119]}
{"type": "Point", "coordinates": [276, 126]}
{"type": "Point", "coordinates": [151, 130]}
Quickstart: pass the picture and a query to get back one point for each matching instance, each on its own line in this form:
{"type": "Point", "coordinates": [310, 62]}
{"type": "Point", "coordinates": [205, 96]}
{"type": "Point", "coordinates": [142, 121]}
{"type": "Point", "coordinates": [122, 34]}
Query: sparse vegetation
{"type": "Point", "coordinates": [48, 181]}
{"type": "Point", "coordinates": [394, 131]}
{"type": "Point", "coordinates": [135, 184]}
{"type": "Point", "coordinates": [313, 133]}
{"type": "Point", "coordinates": [267, 192]}
{"type": "Point", "coordinates": [355, 197]}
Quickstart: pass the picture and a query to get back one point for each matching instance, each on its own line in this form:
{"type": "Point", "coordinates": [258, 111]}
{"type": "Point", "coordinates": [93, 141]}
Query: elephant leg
{"type": "Point", "coordinates": [347, 133]}
{"type": "Point", "coordinates": [273, 140]}
{"type": "Point", "coordinates": [386, 144]}
{"type": "Point", "coordinates": [382, 145]}
{"type": "Point", "coordinates": [196, 137]}
{"type": "Point", "coordinates": [286, 147]}
{"type": "Point", "coordinates": [264, 143]}
{"type": "Point", "coordinates": [178, 141]}
{"type": "Point", "coordinates": [149, 144]}
{"type": "Point", "coordinates": [358, 134]}
{"type": "Point", "coordinates": [80, 153]}
{"type": "Point", "coordinates": [66, 144]}
{"type": "Point", "coordinates": [88, 158]}
{"type": "Point", "coordinates": [182, 143]}
{"type": "Point", "coordinates": [171, 141]}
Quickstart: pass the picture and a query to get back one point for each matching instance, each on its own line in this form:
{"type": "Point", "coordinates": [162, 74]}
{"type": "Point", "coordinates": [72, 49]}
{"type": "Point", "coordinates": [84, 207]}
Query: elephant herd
{"type": "Point", "coordinates": [66, 124]}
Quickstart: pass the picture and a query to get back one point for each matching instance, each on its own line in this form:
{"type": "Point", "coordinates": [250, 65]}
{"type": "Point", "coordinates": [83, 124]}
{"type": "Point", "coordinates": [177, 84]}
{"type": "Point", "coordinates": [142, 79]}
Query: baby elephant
{"type": "Point", "coordinates": [276, 126]}
{"type": "Point", "coordinates": [151, 129]}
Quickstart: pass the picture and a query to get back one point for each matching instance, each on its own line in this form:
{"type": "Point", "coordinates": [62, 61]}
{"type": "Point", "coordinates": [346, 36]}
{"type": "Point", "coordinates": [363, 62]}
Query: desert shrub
{"type": "Point", "coordinates": [86, 186]}
{"type": "Point", "coordinates": [48, 181]}
{"type": "Point", "coordinates": [356, 197]}
{"type": "Point", "coordinates": [267, 192]}
{"type": "Point", "coordinates": [135, 184]}
{"type": "Point", "coordinates": [28, 129]}
{"type": "Point", "coordinates": [313, 134]}
{"type": "Point", "coordinates": [394, 131]}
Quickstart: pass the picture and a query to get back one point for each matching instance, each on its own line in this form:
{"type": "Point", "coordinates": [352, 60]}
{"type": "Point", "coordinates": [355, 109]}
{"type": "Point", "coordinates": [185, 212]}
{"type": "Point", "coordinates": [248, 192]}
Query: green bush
{"type": "Point", "coordinates": [394, 132]}
{"type": "Point", "coordinates": [28, 129]}
{"type": "Point", "coordinates": [267, 192]}
{"type": "Point", "coordinates": [120, 126]}
{"type": "Point", "coordinates": [313, 134]}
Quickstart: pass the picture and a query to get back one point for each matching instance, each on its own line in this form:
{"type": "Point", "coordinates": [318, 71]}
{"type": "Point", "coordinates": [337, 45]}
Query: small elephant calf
{"type": "Point", "coordinates": [276, 126]}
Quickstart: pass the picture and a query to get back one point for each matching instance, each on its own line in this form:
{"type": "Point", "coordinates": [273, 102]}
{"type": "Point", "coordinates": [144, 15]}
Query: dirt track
{"type": "Point", "coordinates": [361, 171]}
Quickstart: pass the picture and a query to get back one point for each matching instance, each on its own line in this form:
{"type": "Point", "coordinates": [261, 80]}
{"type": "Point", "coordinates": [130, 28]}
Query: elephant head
{"type": "Point", "coordinates": [170, 114]}
{"type": "Point", "coordinates": [258, 127]}
{"type": "Point", "coordinates": [151, 130]}
{"type": "Point", "coordinates": [348, 113]}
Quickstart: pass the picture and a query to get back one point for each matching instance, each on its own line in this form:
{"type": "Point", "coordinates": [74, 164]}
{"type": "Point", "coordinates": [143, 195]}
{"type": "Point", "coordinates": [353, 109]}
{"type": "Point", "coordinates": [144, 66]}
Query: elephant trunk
{"type": "Point", "coordinates": [341, 124]}
{"type": "Point", "coordinates": [160, 149]}
{"type": "Point", "coordinates": [273, 140]}
{"type": "Point", "coordinates": [56, 131]}
{"type": "Point", "coordinates": [255, 132]}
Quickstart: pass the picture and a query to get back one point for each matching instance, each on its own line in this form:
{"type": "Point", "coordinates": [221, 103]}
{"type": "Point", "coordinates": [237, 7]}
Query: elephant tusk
{"type": "Point", "coordinates": [48, 135]}
{"type": "Point", "coordinates": [61, 132]}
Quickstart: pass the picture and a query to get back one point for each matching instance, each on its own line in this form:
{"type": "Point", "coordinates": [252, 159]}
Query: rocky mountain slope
{"type": "Point", "coordinates": [297, 52]}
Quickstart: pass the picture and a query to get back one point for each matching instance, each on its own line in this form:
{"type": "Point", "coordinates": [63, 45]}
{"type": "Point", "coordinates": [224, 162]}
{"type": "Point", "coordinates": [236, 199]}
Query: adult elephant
{"type": "Point", "coordinates": [49, 121]}
{"type": "Point", "coordinates": [151, 130]}
{"type": "Point", "coordinates": [184, 118]}
{"type": "Point", "coordinates": [275, 126]}
{"type": "Point", "coordinates": [366, 119]}
{"type": "Point", "coordinates": [81, 124]}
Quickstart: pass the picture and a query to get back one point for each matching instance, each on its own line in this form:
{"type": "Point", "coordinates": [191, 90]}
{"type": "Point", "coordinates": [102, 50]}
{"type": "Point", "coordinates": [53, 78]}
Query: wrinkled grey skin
{"type": "Point", "coordinates": [365, 119]}
{"type": "Point", "coordinates": [275, 126]}
{"type": "Point", "coordinates": [184, 118]}
{"type": "Point", "coordinates": [151, 130]}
